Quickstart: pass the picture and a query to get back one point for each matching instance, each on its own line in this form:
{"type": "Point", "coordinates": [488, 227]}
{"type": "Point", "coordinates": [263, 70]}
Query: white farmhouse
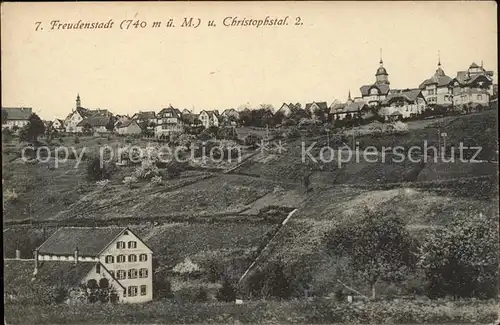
{"type": "Point", "coordinates": [114, 253]}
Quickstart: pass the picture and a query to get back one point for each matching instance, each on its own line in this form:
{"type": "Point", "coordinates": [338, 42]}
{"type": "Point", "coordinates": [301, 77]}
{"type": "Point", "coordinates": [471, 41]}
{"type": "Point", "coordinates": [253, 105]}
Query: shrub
{"type": "Point", "coordinates": [97, 172]}
{"type": "Point", "coordinates": [10, 195]}
{"type": "Point", "coordinates": [103, 183]}
{"type": "Point", "coordinates": [129, 181]}
{"type": "Point", "coordinates": [252, 140]}
{"type": "Point", "coordinates": [292, 132]}
{"type": "Point", "coordinates": [61, 140]}
{"type": "Point", "coordinates": [226, 292]}
{"type": "Point", "coordinates": [147, 170]}
{"type": "Point", "coordinates": [156, 180]}
{"type": "Point", "coordinates": [186, 267]}
{"type": "Point", "coordinates": [128, 140]}
{"type": "Point", "coordinates": [76, 140]}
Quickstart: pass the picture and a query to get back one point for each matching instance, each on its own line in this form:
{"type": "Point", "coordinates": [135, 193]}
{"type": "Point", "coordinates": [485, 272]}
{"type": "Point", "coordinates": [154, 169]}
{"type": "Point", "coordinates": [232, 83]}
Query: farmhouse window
{"type": "Point", "coordinates": [98, 268]}
{"type": "Point", "coordinates": [120, 244]}
{"type": "Point", "coordinates": [132, 291]}
{"type": "Point", "coordinates": [143, 273]}
{"type": "Point", "coordinates": [121, 274]}
{"type": "Point", "coordinates": [132, 244]}
{"type": "Point", "coordinates": [120, 259]}
{"type": "Point", "coordinates": [109, 259]}
{"type": "Point", "coordinates": [132, 274]}
{"type": "Point", "coordinates": [132, 258]}
{"type": "Point", "coordinates": [143, 290]}
{"type": "Point", "coordinates": [143, 257]}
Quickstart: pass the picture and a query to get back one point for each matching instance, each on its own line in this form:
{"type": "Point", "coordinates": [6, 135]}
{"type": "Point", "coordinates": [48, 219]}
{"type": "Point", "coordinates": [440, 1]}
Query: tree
{"type": "Point", "coordinates": [33, 129]}
{"type": "Point", "coordinates": [111, 124]}
{"type": "Point", "coordinates": [461, 259]}
{"type": "Point", "coordinates": [378, 245]}
{"type": "Point", "coordinates": [226, 292]}
{"type": "Point", "coordinates": [252, 139]}
{"type": "Point", "coordinates": [97, 172]}
{"type": "Point", "coordinates": [87, 128]}
{"type": "Point", "coordinates": [4, 116]}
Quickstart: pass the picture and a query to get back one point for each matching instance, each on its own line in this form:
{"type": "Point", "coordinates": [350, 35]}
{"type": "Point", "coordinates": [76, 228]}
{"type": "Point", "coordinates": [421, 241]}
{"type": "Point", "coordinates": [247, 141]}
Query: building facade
{"type": "Point", "coordinates": [436, 90]}
{"type": "Point", "coordinates": [209, 118]}
{"type": "Point", "coordinates": [472, 89]}
{"type": "Point", "coordinates": [377, 92]}
{"type": "Point", "coordinates": [115, 253]}
{"type": "Point", "coordinates": [13, 117]}
{"type": "Point", "coordinates": [401, 104]}
{"type": "Point", "coordinates": [169, 120]}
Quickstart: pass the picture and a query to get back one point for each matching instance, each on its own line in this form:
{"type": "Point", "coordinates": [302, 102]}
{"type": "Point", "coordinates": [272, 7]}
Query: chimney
{"type": "Point", "coordinates": [35, 253]}
{"type": "Point", "coordinates": [18, 254]}
{"type": "Point", "coordinates": [75, 254]}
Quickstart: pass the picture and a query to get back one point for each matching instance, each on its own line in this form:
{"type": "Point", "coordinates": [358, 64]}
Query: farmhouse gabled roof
{"type": "Point", "coordinates": [96, 121]}
{"type": "Point", "coordinates": [17, 113]}
{"type": "Point", "coordinates": [90, 241]}
{"type": "Point", "coordinates": [321, 105]}
{"type": "Point", "coordinates": [145, 115]}
{"type": "Point", "coordinates": [18, 273]}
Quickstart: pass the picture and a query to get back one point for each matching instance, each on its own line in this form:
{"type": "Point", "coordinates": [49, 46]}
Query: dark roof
{"type": "Point", "coordinates": [348, 107]}
{"type": "Point", "coordinates": [321, 105]}
{"type": "Point", "coordinates": [409, 95]}
{"type": "Point", "coordinates": [126, 123]}
{"type": "Point", "coordinates": [211, 113]}
{"type": "Point", "coordinates": [90, 241]}
{"type": "Point", "coordinates": [226, 111]}
{"type": "Point", "coordinates": [175, 112]}
{"type": "Point", "coordinates": [145, 115]}
{"type": "Point", "coordinates": [17, 113]}
{"type": "Point", "coordinates": [473, 65]}
{"type": "Point", "coordinates": [19, 273]}
{"type": "Point", "coordinates": [439, 78]}
{"type": "Point", "coordinates": [96, 120]}
{"type": "Point", "coordinates": [381, 71]}
{"type": "Point", "coordinates": [383, 88]}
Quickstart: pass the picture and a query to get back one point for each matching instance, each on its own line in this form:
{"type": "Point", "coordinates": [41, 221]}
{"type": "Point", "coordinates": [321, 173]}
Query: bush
{"type": "Point", "coordinates": [226, 292]}
{"type": "Point", "coordinates": [252, 140]}
{"type": "Point", "coordinates": [129, 181]}
{"type": "Point", "coordinates": [292, 132]}
{"type": "Point", "coordinates": [103, 183]}
{"type": "Point", "coordinates": [147, 170]}
{"type": "Point", "coordinates": [10, 195]}
{"type": "Point", "coordinates": [96, 172]}
{"type": "Point", "coordinates": [76, 140]}
{"type": "Point", "coordinates": [156, 180]}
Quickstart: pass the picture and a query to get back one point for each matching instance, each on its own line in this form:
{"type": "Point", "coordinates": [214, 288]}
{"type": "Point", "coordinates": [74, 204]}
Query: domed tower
{"type": "Point", "coordinates": [382, 75]}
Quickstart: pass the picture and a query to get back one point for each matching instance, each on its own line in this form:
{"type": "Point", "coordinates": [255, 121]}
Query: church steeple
{"type": "Point", "coordinates": [349, 95]}
{"type": "Point", "coordinates": [381, 61]}
{"type": "Point", "coordinates": [78, 101]}
{"type": "Point", "coordinates": [439, 58]}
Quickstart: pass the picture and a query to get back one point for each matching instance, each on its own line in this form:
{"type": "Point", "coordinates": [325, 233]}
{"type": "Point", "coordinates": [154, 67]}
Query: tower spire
{"type": "Point", "coordinates": [439, 58]}
{"type": "Point", "coordinates": [78, 101]}
{"type": "Point", "coordinates": [381, 61]}
{"type": "Point", "coordinates": [349, 95]}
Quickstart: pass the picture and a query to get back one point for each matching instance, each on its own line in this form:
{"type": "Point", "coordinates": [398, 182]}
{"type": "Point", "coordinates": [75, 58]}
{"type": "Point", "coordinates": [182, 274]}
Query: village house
{"type": "Point", "coordinates": [189, 118]}
{"type": "Point", "coordinates": [286, 109]}
{"type": "Point", "coordinates": [401, 104]}
{"type": "Point", "coordinates": [230, 114]}
{"type": "Point", "coordinates": [351, 109]}
{"type": "Point", "coordinates": [127, 127]}
{"type": "Point", "coordinates": [96, 124]}
{"type": "Point", "coordinates": [73, 122]}
{"type": "Point", "coordinates": [374, 94]}
{"type": "Point", "coordinates": [58, 125]}
{"type": "Point", "coordinates": [317, 109]}
{"type": "Point", "coordinates": [472, 89]}
{"type": "Point", "coordinates": [169, 120]}
{"type": "Point", "coordinates": [209, 118]}
{"type": "Point", "coordinates": [147, 118]}
{"type": "Point", "coordinates": [15, 117]}
{"type": "Point", "coordinates": [85, 253]}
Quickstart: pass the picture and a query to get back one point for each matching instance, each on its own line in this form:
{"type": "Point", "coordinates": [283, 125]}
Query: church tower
{"type": "Point", "coordinates": [349, 99]}
{"type": "Point", "coordinates": [381, 75]}
{"type": "Point", "coordinates": [78, 101]}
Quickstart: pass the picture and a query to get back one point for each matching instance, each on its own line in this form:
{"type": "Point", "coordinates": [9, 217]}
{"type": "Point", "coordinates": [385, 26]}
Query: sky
{"type": "Point", "coordinates": [336, 49]}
